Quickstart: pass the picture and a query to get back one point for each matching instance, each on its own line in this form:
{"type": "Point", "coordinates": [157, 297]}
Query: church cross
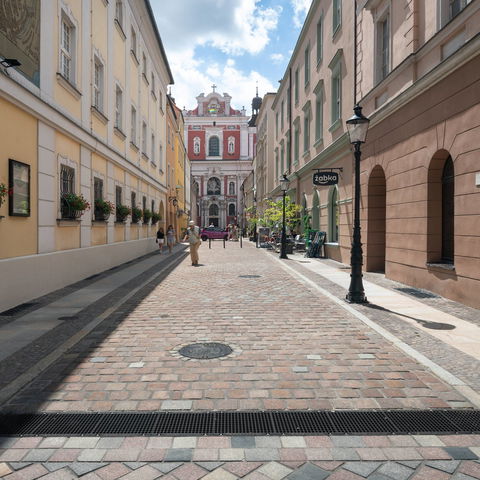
{"type": "Point", "coordinates": [214, 87]}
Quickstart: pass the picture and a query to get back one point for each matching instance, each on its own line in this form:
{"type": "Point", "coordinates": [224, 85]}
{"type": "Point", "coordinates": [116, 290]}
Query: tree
{"type": "Point", "coordinates": [273, 215]}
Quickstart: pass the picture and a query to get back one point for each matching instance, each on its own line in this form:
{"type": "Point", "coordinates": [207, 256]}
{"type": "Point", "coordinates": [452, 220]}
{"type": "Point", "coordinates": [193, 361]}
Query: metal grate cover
{"type": "Point", "coordinates": [365, 422]}
{"type": "Point", "coordinates": [415, 292]}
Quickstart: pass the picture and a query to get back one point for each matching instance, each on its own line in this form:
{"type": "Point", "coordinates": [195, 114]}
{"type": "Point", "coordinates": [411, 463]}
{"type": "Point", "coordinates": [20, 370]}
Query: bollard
{"type": "Point", "coordinates": [209, 242]}
{"type": "Point", "coordinates": [241, 245]}
{"type": "Point", "coordinates": [223, 242]}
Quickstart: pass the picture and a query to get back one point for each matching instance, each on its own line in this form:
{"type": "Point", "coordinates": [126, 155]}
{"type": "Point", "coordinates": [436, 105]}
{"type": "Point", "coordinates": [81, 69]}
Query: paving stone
{"type": "Point", "coordinates": [91, 455]}
{"type": "Point", "coordinates": [210, 466]}
{"type": "Point", "coordinates": [184, 442]}
{"type": "Point", "coordinates": [448, 466]}
{"type": "Point", "coordinates": [98, 359]}
{"type": "Point", "coordinates": [274, 470]}
{"type": "Point", "coordinates": [314, 357]}
{"type": "Point", "coordinates": [143, 473]}
{"type": "Point", "coordinates": [62, 474]}
{"type": "Point", "coordinates": [109, 442]}
{"type": "Point", "coordinates": [361, 468]}
{"type": "Point", "coordinates": [380, 476]}
{"type": "Point", "coordinates": [293, 442]}
{"type": "Point", "coordinates": [299, 369]}
{"type": "Point", "coordinates": [347, 441]}
{"type": "Point", "coordinates": [219, 474]}
{"type": "Point", "coordinates": [261, 454]}
{"type": "Point", "coordinates": [243, 442]}
{"type": "Point", "coordinates": [460, 453]}
{"type": "Point", "coordinates": [462, 476]}
{"type": "Point", "coordinates": [39, 455]}
{"type": "Point", "coordinates": [176, 405]}
{"type": "Point", "coordinates": [19, 465]}
{"type": "Point", "coordinates": [308, 472]}
{"type": "Point", "coordinates": [81, 442]}
{"type": "Point", "coordinates": [134, 465]}
{"type": "Point", "coordinates": [179, 455]}
{"type": "Point", "coordinates": [345, 454]}
{"type": "Point", "coordinates": [231, 454]}
{"type": "Point", "coordinates": [4, 470]}
{"type": "Point", "coordinates": [395, 470]}
{"type": "Point", "coordinates": [54, 466]}
{"type": "Point", "coordinates": [241, 468]}
{"type": "Point", "coordinates": [81, 468]}
{"type": "Point", "coordinates": [268, 442]}
{"type": "Point", "coordinates": [410, 463]}
{"type": "Point", "coordinates": [165, 467]}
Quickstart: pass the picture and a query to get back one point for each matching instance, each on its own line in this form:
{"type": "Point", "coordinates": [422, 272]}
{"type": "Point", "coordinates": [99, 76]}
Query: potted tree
{"type": "Point", "coordinates": [155, 218]}
{"type": "Point", "coordinates": [136, 214]}
{"type": "Point", "coordinates": [73, 206]}
{"type": "Point", "coordinates": [103, 209]}
{"type": "Point", "coordinates": [122, 212]}
{"type": "Point", "coordinates": [147, 215]}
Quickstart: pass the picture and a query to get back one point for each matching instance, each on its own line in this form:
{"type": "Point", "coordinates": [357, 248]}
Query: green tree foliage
{"type": "Point", "coordinates": [273, 215]}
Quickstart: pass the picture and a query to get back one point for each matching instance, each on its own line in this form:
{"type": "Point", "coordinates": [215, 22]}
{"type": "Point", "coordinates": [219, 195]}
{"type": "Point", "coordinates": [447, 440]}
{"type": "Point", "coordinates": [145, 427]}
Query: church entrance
{"type": "Point", "coordinates": [213, 215]}
{"type": "Point", "coordinates": [213, 221]}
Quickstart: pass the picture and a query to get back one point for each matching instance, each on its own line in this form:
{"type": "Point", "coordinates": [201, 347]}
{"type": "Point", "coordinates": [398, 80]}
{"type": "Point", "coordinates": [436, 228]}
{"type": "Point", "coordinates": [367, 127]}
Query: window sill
{"type": "Point", "coordinates": [332, 244]}
{"type": "Point", "coordinates": [319, 63]}
{"type": "Point", "coordinates": [335, 125]}
{"type": "Point", "coordinates": [153, 164]}
{"type": "Point", "coordinates": [120, 30]}
{"type": "Point", "coordinates": [69, 86]}
{"type": "Point", "coordinates": [145, 79]}
{"type": "Point", "coordinates": [134, 56]}
{"type": "Point", "coordinates": [144, 156]}
{"type": "Point", "coordinates": [67, 222]}
{"type": "Point", "coordinates": [336, 30]}
{"type": "Point", "coordinates": [134, 147]}
{"type": "Point", "coordinates": [306, 153]}
{"type": "Point", "coordinates": [99, 114]}
{"type": "Point", "coordinates": [153, 95]}
{"type": "Point", "coordinates": [318, 142]}
{"type": "Point", "coordinates": [118, 132]}
{"type": "Point", "coordinates": [441, 267]}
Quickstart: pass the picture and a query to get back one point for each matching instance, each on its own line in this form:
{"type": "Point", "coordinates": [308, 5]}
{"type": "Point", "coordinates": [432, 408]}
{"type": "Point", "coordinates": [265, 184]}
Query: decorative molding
{"type": "Point", "coordinates": [69, 86]}
{"type": "Point", "coordinates": [99, 114]}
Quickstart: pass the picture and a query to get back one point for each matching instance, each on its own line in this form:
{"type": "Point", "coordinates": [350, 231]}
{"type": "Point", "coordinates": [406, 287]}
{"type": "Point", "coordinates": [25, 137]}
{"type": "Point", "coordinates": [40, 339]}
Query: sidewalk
{"type": "Point", "coordinates": [295, 345]}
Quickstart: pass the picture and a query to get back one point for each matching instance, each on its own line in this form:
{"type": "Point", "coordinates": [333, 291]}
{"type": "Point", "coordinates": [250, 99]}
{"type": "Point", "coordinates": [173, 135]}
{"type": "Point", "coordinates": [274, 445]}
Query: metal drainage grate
{"type": "Point", "coordinates": [415, 292]}
{"type": "Point", "coordinates": [375, 422]}
{"type": "Point", "coordinates": [18, 309]}
{"type": "Point", "coordinates": [249, 276]}
{"type": "Point", "coordinates": [205, 351]}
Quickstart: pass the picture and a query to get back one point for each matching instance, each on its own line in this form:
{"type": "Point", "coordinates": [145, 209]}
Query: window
{"type": "Point", "coordinates": [119, 12]}
{"type": "Point", "coordinates": [383, 48]}
{"type": "Point", "coordinates": [337, 15]}
{"type": "Point", "coordinates": [196, 146]}
{"type": "Point", "coordinates": [307, 65]}
{"type": "Point", "coordinates": [144, 138]}
{"type": "Point", "coordinates": [160, 100]}
{"type": "Point", "coordinates": [296, 144]}
{"type": "Point", "coordinates": [282, 158]}
{"type": "Point", "coordinates": [152, 157]}
{"type": "Point", "coordinates": [296, 86]}
{"type": "Point", "coordinates": [289, 106]}
{"type": "Point", "coordinates": [289, 160]}
{"type": "Point", "coordinates": [144, 66]}
{"type": "Point", "coordinates": [152, 206]}
{"type": "Point", "coordinates": [448, 217]}
{"type": "Point", "coordinates": [333, 219]}
{"type": "Point", "coordinates": [319, 116]}
{"type": "Point", "coordinates": [306, 131]}
{"type": "Point", "coordinates": [67, 49]}
{"type": "Point", "coordinates": [133, 127]}
{"type": "Point", "coordinates": [213, 186]}
{"type": "Point", "coordinates": [276, 126]}
{"type": "Point", "coordinates": [98, 84]}
{"type": "Point", "coordinates": [118, 195]}
{"type": "Point", "coordinates": [336, 93]}
{"type": "Point", "coordinates": [133, 199]}
{"type": "Point", "coordinates": [67, 180]}
{"type": "Point", "coordinates": [282, 115]}
{"type": "Point", "coordinates": [118, 107]}
{"type": "Point", "coordinates": [277, 167]}
{"type": "Point", "coordinates": [213, 210]}
{"type": "Point", "coordinates": [160, 157]}
{"type": "Point", "coordinates": [455, 7]}
{"type": "Point", "coordinates": [133, 43]}
{"type": "Point", "coordinates": [231, 145]}
{"type": "Point", "coordinates": [231, 210]}
{"type": "Point", "coordinates": [97, 188]}
{"type": "Point", "coordinates": [152, 76]}
{"type": "Point", "coordinates": [214, 147]}
{"type": "Point", "coordinates": [231, 188]}
{"type": "Point", "coordinates": [144, 203]}
{"type": "Point", "coordinates": [319, 40]}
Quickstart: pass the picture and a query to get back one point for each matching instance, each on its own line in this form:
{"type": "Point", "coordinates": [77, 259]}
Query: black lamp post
{"type": "Point", "coordinates": [284, 183]}
{"type": "Point", "coordinates": [357, 130]}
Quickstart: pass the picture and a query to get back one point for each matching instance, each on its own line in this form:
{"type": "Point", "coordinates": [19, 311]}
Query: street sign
{"type": "Point", "coordinates": [325, 178]}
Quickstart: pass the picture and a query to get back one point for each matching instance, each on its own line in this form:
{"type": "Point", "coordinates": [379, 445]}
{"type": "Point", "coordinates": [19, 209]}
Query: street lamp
{"type": "Point", "coordinates": [284, 183]}
{"type": "Point", "coordinates": [357, 130]}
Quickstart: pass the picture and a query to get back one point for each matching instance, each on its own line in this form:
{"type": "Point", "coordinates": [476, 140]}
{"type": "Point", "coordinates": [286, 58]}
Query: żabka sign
{"type": "Point", "coordinates": [325, 178]}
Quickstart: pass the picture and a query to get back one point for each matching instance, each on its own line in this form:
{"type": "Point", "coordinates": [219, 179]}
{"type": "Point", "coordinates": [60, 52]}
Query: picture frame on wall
{"type": "Point", "coordinates": [19, 185]}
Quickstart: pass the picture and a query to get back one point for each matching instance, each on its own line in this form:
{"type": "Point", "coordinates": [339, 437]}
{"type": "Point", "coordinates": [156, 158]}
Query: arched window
{"type": "Point", "coordinates": [231, 188]}
{"type": "Point", "coordinates": [333, 214]}
{"type": "Point", "coordinates": [448, 191]}
{"type": "Point", "coordinates": [231, 210]}
{"type": "Point", "coordinates": [213, 186]}
{"type": "Point", "coordinates": [231, 145]}
{"type": "Point", "coordinates": [196, 145]}
{"type": "Point", "coordinates": [214, 147]}
{"type": "Point", "coordinates": [213, 210]}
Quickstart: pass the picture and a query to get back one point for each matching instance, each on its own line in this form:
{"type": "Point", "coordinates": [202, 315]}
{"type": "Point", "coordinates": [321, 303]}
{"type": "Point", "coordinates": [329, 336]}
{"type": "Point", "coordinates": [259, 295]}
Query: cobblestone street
{"type": "Point", "coordinates": [292, 349]}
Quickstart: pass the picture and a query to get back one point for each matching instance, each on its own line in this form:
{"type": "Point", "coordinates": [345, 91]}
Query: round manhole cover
{"type": "Point", "coordinates": [205, 351]}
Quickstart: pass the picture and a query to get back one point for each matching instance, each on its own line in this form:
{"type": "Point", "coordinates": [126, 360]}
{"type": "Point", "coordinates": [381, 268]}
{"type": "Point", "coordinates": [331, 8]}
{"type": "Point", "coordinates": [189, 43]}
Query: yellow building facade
{"type": "Point", "coordinates": [83, 119]}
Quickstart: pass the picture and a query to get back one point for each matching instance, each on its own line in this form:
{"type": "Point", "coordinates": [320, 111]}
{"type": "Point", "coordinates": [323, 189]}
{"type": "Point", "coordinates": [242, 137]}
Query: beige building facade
{"type": "Point", "coordinates": [82, 116]}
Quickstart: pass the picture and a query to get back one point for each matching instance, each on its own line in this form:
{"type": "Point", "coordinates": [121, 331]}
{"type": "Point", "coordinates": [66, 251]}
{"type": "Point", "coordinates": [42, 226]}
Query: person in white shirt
{"type": "Point", "coordinates": [193, 236]}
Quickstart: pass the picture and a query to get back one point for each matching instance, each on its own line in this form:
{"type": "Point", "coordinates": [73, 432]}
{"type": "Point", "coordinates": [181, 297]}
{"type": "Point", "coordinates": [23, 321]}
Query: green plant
{"type": "Point", "coordinates": [4, 191]}
{"type": "Point", "coordinates": [122, 212]}
{"type": "Point", "coordinates": [104, 206]}
{"type": "Point", "coordinates": [147, 215]}
{"type": "Point", "coordinates": [155, 218]}
{"type": "Point", "coordinates": [75, 202]}
{"type": "Point", "coordinates": [273, 215]}
{"type": "Point", "coordinates": [136, 214]}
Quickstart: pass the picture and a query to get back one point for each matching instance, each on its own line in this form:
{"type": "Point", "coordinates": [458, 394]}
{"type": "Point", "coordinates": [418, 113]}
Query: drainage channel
{"type": "Point", "coordinates": [374, 422]}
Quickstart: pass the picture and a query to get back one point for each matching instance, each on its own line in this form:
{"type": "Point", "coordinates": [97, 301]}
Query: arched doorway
{"type": "Point", "coordinates": [376, 222]}
{"type": "Point", "coordinates": [213, 215]}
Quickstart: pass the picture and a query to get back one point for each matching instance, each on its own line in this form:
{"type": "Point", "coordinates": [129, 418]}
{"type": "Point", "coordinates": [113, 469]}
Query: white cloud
{"type": "Point", "coordinates": [300, 10]}
{"type": "Point", "coordinates": [190, 81]}
{"type": "Point", "coordinates": [277, 57]}
{"type": "Point", "coordinates": [232, 26]}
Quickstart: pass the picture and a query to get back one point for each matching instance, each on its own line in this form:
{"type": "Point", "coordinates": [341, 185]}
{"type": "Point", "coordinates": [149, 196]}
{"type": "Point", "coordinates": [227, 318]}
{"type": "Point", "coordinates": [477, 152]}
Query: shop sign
{"type": "Point", "coordinates": [325, 178]}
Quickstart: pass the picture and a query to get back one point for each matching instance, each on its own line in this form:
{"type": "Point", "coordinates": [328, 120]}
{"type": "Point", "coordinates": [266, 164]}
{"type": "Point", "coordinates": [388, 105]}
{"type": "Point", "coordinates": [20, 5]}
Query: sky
{"type": "Point", "coordinates": [234, 44]}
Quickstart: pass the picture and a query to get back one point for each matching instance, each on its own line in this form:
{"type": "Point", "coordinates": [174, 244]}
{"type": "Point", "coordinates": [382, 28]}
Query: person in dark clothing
{"type": "Point", "coordinates": [160, 239]}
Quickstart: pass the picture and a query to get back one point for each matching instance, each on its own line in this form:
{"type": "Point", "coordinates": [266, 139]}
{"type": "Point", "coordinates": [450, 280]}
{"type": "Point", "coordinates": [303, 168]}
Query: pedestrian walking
{"type": "Point", "coordinates": [160, 239]}
{"type": "Point", "coordinates": [170, 238]}
{"type": "Point", "coordinates": [193, 237]}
